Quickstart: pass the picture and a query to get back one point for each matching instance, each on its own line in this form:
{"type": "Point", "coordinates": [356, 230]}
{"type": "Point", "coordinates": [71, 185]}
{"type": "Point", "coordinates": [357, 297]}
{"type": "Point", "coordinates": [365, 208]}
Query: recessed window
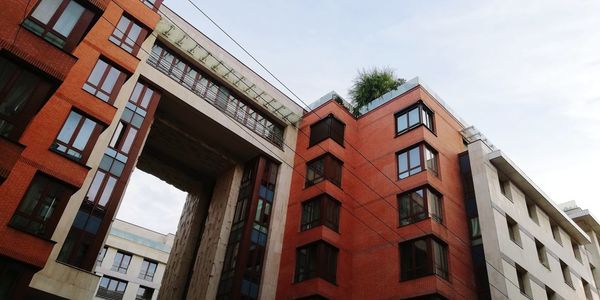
{"type": "Point", "coordinates": [523, 279]}
{"type": "Point", "coordinates": [325, 167]}
{"type": "Point", "coordinates": [513, 230]}
{"type": "Point", "coordinates": [328, 127]}
{"type": "Point", "coordinates": [555, 232]}
{"type": "Point", "coordinates": [542, 254]}
{"type": "Point", "coordinates": [105, 81]}
{"type": "Point", "coordinates": [474, 228]}
{"type": "Point", "coordinates": [128, 35]}
{"type": "Point", "coordinates": [144, 293]}
{"type": "Point", "coordinates": [576, 251]}
{"type": "Point", "coordinates": [587, 289]}
{"type": "Point", "coordinates": [566, 274]}
{"type": "Point", "coordinates": [77, 136]}
{"type": "Point", "coordinates": [321, 210]}
{"type": "Point", "coordinates": [101, 256]}
{"type": "Point", "coordinates": [60, 22]}
{"type": "Point", "coordinates": [148, 269]}
{"type": "Point", "coordinates": [121, 262]}
{"type": "Point", "coordinates": [423, 257]}
{"type": "Point", "coordinates": [318, 259]}
{"type": "Point", "coordinates": [550, 294]}
{"type": "Point", "coordinates": [111, 288]}
{"type": "Point", "coordinates": [22, 94]}
{"type": "Point", "coordinates": [420, 204]}
{"type": "Point", "coordinates": [101, 189]}
{"type": "Point", "coordinates": [40, 209]}
{"type": "Point", "coordinates": [532, 210]}
{"type": "Point", "coordinates": [504, 188]}
{"type": "Point", "coordinates": [417, 159]}
{"type": "Point", "coordinates": [413, 117]}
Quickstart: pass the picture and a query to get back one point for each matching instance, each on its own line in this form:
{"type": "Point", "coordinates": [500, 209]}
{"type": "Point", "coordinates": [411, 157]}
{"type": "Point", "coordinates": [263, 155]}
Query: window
{"type": "Point", "coordinates": [550, 294]}
{"type": "Point", "coordinates": [101, 256]}
{"type": "Point", "coordinates": [105, 81]}
{"type": "Point", "coordinates": [504, 186]}
{"type": "Point", "coordinates": [328, 127]}
{"type": "Point", "coordinates": [532, 211]}
{"type": "Point", "coordinates": [101, 189]}
{"type": "Point", "coordinates": [576, 251]}
{"type": "Point", "coordinates": [414, 116]}
{"type": "Point", "coordinates": [555, 232]}
{"type": "Point", "coordinates": [318, 259]}
{"type": "Point", "coordinates": [144, 293]}
{"type": "Point", "coordinates": [111, 288]}
{"type": "Point", "coordinates": [128, 35]}
{"type": "Point", "coordinates": [523, 279]}
{"type": "Point", "coordinates": [75, 136]}
{"type": "Point", "coordinates": [321, 210]}
{"type": "Point", "coordinates": [423, 257]}
{"type": "Point", "coordinates": [420, 204]}
{"type": "Point", "coordinates": [22, 94]}
{"type": "Point", "coordinates": [417, 159]}
{"type": "Point", "coordinates": [60, 22]}
{"type": "Point", "coordinates": [148, 270]}
{"type": "Point", "coordinates": [121, 262]}
{"type": "Point", "coordinates": [42, 206]}
{"type": "Point", "coordinates": [152, 4]}
{"type": "Point", "coordinates": [513, 230]}
{"type": "Point", "coordinates": [542, 255]}
{"type": "Point", "coordinates": [587, 289]}
{"type": "Point", "coordinates": [566, 274]}
{"type": "Point", "coordinates": [474, 228]}
{"type": "Point", "coordinates": [324, 167]}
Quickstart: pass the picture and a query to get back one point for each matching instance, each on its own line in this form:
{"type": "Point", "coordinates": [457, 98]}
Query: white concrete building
{"type": "Point", "coordinates": [132, 262]}
{"type": "Point", "coordinates": [531, 248]}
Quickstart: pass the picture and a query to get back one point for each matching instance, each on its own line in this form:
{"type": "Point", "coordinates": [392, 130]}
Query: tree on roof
{"type": "Point", "coordinates": [371, 84]}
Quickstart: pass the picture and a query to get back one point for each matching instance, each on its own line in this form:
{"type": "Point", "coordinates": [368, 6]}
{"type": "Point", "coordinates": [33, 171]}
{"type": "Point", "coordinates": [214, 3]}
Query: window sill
{"type": "Point", "coordinates": [319, 142]}
{"type": "Point", "coordinates": [70, 158]}
{"type": "Point", "coordinates": [570, 285]}
{"type": "Point", "coordinates": [309, 185]}
{"type": "Point", "coordinates": [446, 278]}
{"type": "Point", "coordinates": [65, 51]}
{"type": "Point", "coordinates": [526, 295]}
{"type": "Point", "coordinates": [322, 226]}
{"type": "Point", "coordinates": [517, 243]}
{"type": "Point", "coordinates": [43, 238]}
{"type": "Point", "coordinates": [77, 268]}
{"type": "Point", "coordinates": [407, 130]}
{"type": "Point", "coordinates": [314, 278]}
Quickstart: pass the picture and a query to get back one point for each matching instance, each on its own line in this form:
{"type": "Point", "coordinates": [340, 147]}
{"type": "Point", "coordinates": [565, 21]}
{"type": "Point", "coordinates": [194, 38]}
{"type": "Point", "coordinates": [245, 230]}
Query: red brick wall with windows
{"type": "Point", "coordinates": [369, 235]}
{"type": "Point", "coordinates": [69, 70]}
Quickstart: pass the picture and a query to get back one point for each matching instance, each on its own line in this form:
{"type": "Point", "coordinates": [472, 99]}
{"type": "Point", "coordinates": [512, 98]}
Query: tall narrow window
{"type": "Point", "coordinates": [321, 210]}
{"type": "Point", "coordinates": [77, 136]}
{"type": "Point", "coordinates": [121, 262]}
{"type": "Point", "coordinates": [22, 94]}
{"type": "Point", "coordinates": [101, 256]}
{"type": "Point", "coordinates": [111, 288]}
{"type": "Point", "coordinates": [513, 230]}
{"type": "Point", "coordinates": [555, 232]}
{"type": "Point", "coordinates": [325, 167]}
{"type": "Point", "coordinates": [128, 35]}
{"type": "Point", "coordinates": [587, 289]}
{"type": "Point", "coordinates": [105, 81]}
{"type": "Point", "coordinates": [318, 259]}
{"type": "Point", "coordinates": [420, 204]}
{"type": "Point", "coordinates": [328, 127]}
{"type": "Point", "coordinates": [542, 255]}
{"type": "Point", "coordinates": [416, 159]}
{"type": "Point", "coordinates": [148, 269]}
{"type": "Point", "coordinates": [412, 117]}
{"type": "Point", "coordinates": [60, 22]}
{"type": "Point", "coordinates": [566, 273]}
{"type": "Point", "coordinates": [42, 206]}
{"type": "Point", "coordinates": [523, 279]}
{"type": "Point", "coordinates": [576, 251]}
{"type": "Point", "coordinates": [423, 257]}
{"type": "Point", "coordinates": [532, 210]}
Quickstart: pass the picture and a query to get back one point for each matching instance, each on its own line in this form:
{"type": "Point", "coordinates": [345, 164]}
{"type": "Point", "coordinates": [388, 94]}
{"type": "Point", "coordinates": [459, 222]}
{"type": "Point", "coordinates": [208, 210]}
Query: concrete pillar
{"type": "Point", "coordinates": [187, 239]}
{"type": "Point", "coordinates": [211, 253]}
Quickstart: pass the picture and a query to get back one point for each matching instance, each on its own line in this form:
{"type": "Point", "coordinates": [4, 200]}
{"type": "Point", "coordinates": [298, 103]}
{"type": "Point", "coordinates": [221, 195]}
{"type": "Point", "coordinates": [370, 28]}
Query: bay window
{"type": "Point", "coordinates": [417, 159]}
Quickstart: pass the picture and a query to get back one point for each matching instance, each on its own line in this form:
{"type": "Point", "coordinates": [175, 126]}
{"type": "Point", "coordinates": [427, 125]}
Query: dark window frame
{"type": "Point", "coordinates": [120, 41]}
{"type": "Point", "coordinates": [430, 267]}
{"type": "Point", "coordinates": [106, 293]}
{"type": "Point", "coordinates": [49, 183]}
{"type": "Point", "coordinates": [324, 129]}
{"type": "Point", "coordinates": [147, 293]}
{"type": "Point", "coordinates": [83, 24]}
{"type": "Point", "coordinates": [423, 163]}
{"type": "Point", "coordinates": [119, 267]}
{"type": "Point", "coordinates": [422, 108]}
{"type": "Point", "coordinates": [329, 171]}
{"type": "Point", "coordinates": [90, 143]}
{"type": "Point", "coordinates": [145, 273]}
{"type": "Point", "coordinates": [101, 255]}
{"type": "Point", "coordinates": [413, 216]}
{"type": "Point", "coordinates": [324, 265]}
{"type": "Point", "coordinates": [96, 88]}
{"type": "Point", "coordinates": [328, 214]}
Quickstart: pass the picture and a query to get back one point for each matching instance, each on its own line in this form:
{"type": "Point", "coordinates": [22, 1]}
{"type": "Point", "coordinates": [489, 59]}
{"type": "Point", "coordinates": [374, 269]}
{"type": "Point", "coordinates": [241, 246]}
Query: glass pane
{"type": "Point", "coordinates": [84, 134]}
{"type": "Point", "coordinates": [96, 74]}
{"type": "Point", "coordinates": [413, 117]}
{"type": "Point", "coordinates": [147, 97]}
{"type": "Point", "coordinates": [135, 96]}
{"type": "Point", "coordinates": [18, 95]}
{"type": "Point", "coordinates": [415, 157]}
{"type": "Point", "coordinates": [45, 10]}
{"type": "Point", "coordinates": [69, 18]}
{"type": "Point", "coordinates": [111, 79]}
{"type": "Point", "coordinates": [108, 188]}
{"type": "Point", "coordinates": [401, 122]}
{"type": "Point", "coordinates": [133, 35]}
{"type": "Point", "coordinates": [91, 195]}
{"type": "Point", "coordinates": [402, 163]}
{"type": "Point", "coordinates": [121, 27]}
{"type": "Point", "coordinates": [117, 135]}
{"type": "Point", "coordinates": [69, 127]}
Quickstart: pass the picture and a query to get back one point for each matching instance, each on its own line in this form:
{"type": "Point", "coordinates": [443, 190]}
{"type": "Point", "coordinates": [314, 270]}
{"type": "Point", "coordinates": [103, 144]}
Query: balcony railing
{"type": "Point", "coordinates": [217, 95]}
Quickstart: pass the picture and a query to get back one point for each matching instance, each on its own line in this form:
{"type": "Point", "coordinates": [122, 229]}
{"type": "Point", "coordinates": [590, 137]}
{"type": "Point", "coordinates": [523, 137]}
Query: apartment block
{"type": "Point", "coordinates": [132, 262]}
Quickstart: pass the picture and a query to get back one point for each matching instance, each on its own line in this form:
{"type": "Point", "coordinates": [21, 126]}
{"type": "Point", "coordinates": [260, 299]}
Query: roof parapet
{"type": "Point", "coordinates": [472, 134]}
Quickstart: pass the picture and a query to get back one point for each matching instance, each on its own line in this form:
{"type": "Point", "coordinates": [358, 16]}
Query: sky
{"type": "Point", "coordinates": [525, 73]}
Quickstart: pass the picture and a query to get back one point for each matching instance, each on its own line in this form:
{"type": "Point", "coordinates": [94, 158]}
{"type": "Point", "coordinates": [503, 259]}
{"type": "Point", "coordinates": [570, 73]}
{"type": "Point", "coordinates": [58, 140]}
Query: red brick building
{"type": "Point", "coordinates": [376, 207]}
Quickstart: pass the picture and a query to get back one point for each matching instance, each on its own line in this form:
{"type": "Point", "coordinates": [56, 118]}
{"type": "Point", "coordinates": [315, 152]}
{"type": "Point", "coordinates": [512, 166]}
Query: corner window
{"type": "Point", "coordinates": [105, 81]}
{"type": "Point", "coordinates": [111, 288]}
{"type": "Point", "coordinates": [318, 259]}
{"type": "Point", "coordinates": [326, 167]}
{"type": "Point", "coordinates": [42, 206]}
{"type": "Point", "coordinates": [60, 22]}
{"type": "Point", "coordinates": [420, 204]}
{"type": "Point", "coordinates": [77, 137]}
{"type": "Point", "coordinates": [148, 269]}
{"type": "Point", "coordinates": [328, 127]}
{"type": "Point", "coordinates": [128, 35]}
{"type": "Point", "coordinates": [22, 94]}
{"type": "Point", "coordinates": [121, 262]}
{"type": "Point", "coordinates": [416, 159]}
{"type": "Point", "coordinates": [321, 210]}
{"type": "Point", "coordinates": [423, 257]}
{"type": "Point", "coordinates": [412, 117]}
